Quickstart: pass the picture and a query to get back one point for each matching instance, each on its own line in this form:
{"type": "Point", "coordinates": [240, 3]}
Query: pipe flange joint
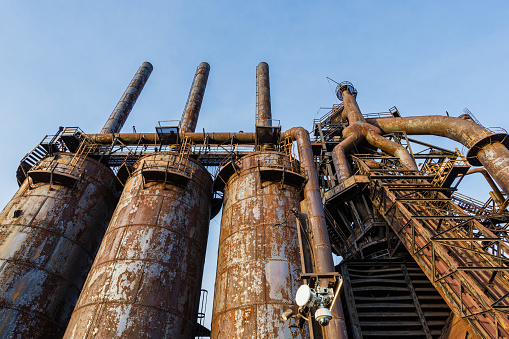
{"type": "Point", "coordinates": [490, 139]}
{"type": "Point", "coordinates": [345, 85]}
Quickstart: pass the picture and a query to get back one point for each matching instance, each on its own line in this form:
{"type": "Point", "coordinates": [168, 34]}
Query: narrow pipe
{"type": "Point", "coordinates": [128, 99]}
{"type": "Point", "coordinates": [316, 216]}
{"type": "Point", "coordinates": [493, 156]}
{"type": "Point", "coordinates": [195, 99]}
{"type": "Point", "coordinates": [264, 110]}
{"type": "Point", "coordinates": [494, 187]}
{"type": "Point", "coordinates": [393, 149]}
{"type": "Point", "coordinates": [153, 138]}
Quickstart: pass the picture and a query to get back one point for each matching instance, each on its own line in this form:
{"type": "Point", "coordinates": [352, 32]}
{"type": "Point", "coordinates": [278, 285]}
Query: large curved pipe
{"type": "Point", "coordinates": [316, 216]}
{"type": "Point", "coordinates": [264, 114]}
{"type": "Point", "coordinates": [195, 99]}
{"type": "Point", "coordinates": [493, 156]}
{"type": "Point", "coordinates": [460, 130]}
{"type": "Point", "coordinates": [393, 149]}
{"type": "Point", "coordinates": [128, 99]}
{"type": "Point", "coordinates": [339, 159]}
{"type": "Point", "coordinates": [357, 130]}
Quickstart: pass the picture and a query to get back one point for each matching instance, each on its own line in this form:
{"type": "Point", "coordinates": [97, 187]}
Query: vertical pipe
{"type": "Point", "coordinates": [339, 159]}
{"type": "Point", "coordinates": [128, 99]}
{"type": "Point", "coordinates": [495, 158]}
{"type": "Point", "coordinates": [352, 110]}
{"type": "Point", "coordinates": [319, 233]}
{"type": "Point", "coordinates": [194, 101]}
{"type": "Point", "coordinates": [264, 115]}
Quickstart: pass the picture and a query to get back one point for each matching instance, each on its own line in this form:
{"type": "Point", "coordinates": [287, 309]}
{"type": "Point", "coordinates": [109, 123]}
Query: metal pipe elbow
{"type": "Point", "coordinates": [393, 149]}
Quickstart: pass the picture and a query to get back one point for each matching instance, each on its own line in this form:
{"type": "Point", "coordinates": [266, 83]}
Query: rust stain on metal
{"type": "Point", "coordinates": [489, 149]}
{"type": "Point", "coordinates": [49, 234]}
{"type": "Point", "coordinates": [264, 113]}
{"type": "Point", "coordinates": [258, 262]}
{"type": "Point", "coordinates": [128, 99]}
{"type": "Point", "coordinates": [146, 278]}
{"type": "Point", "coordinates": [316, 216]}
{"type": "Point", "coordinates": [195, 99]}
{"type": "Point", "coordinates": [137, 138]}
{"type": "Point", "coordinates": [357, 131]}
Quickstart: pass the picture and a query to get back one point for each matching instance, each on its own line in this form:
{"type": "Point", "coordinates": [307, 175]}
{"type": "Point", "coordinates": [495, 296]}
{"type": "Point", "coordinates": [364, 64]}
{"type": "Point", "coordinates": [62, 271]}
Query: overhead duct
{"type": "Point", "coordinates": [486, 147]}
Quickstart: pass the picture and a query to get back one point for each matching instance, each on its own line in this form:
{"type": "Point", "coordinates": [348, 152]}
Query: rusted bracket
{"type": "Point", "coordinates": [313, 278]}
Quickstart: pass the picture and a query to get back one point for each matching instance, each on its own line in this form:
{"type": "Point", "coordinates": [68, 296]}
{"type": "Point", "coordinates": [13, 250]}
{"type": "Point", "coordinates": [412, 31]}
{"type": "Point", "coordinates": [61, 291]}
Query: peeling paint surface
{"type": "Point", "coordinates": [49, 235]}
{"type": "Point", "coordinates": [145, 281]}
{"type": "Point", "coordinates": [258, 263]}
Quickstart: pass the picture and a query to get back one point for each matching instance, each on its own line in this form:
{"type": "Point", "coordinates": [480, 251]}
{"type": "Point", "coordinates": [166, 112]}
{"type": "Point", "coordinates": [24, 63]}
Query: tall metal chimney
{"type": "Point", "coordinates": [195, 98]}
{"type": "Point", "coordinates": [126, 102]}
{"type": "Point", "coordinates": [264, 114]}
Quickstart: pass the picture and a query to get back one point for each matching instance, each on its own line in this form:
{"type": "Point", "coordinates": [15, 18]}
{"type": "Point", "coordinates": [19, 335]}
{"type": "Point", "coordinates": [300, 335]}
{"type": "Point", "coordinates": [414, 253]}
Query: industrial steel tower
{"type": "Point", "coordinates": [106, 236]}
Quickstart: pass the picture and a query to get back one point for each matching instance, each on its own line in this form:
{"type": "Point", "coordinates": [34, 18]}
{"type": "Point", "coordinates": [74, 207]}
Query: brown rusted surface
{"type": "Point", "coordinates": [264, 115]}
{"type": "Point", "coordinates": [128, 99]}
{"type": "Point", "coordinates": [456, 328]}
{"type": "Point", "coordinates": [316, 216]}
{"type": "Point", "coordinates": [455, 259]}
{"type": "Point", "coordinates": [358, 130]}
{"type": "Point", "coordinates": [50, 234]}
{"type": "Point", "coordinates": [195, 99]}
{"type": "Point", "coordinates": [258, 261]}
{"type": "Point", "coordinates": [351, 110]}
{"type": "Point", "coordinates": [392, 148]}
{"type": "Point", "coordinates": [339, 159]}
{"type": "Point", "coordinates": [136, 138]}
{"type": "Point", "coordinates": [493, 156]}
{"type": "Point", "coordinates": [145, 280]}
{"type": "Point", "coordinates": [460, 130]}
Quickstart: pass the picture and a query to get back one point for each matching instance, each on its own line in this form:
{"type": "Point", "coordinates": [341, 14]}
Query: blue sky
{"type": "Point", "coordinates": [66, 63]}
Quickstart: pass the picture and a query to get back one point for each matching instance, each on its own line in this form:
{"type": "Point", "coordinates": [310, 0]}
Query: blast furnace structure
{"type": "Point", "coordinates": [419, 258]}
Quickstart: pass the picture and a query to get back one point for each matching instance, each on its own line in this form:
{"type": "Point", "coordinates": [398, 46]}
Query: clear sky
{"type": "Point", "coordinates": [66, 63]}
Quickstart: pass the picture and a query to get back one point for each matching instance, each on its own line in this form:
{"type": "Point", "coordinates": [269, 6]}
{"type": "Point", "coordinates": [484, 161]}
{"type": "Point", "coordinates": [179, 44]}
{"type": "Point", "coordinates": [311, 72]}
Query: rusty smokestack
{"type": "Point", "coordinates": [128, 99]}
{"type": "Point", "coordinates": [264, 114]}
{"type": "Point", "coordinates": [195, 98]}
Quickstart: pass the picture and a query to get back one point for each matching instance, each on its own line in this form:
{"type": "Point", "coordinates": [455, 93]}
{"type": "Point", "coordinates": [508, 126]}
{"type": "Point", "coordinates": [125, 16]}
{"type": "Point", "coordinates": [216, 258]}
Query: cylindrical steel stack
{"type": "Point", "coordinates": [264, 113]}
{"type": "Point", "coordinates": [50, 232]}
{"type": "Point", "coordinates": [259, 263]}
{"type": "Point", "coordinates": [128, 99]}
{"type": "Point", "coordinates": [146, 278]}
{"type": "Point", "coordinates": [195, 99]}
